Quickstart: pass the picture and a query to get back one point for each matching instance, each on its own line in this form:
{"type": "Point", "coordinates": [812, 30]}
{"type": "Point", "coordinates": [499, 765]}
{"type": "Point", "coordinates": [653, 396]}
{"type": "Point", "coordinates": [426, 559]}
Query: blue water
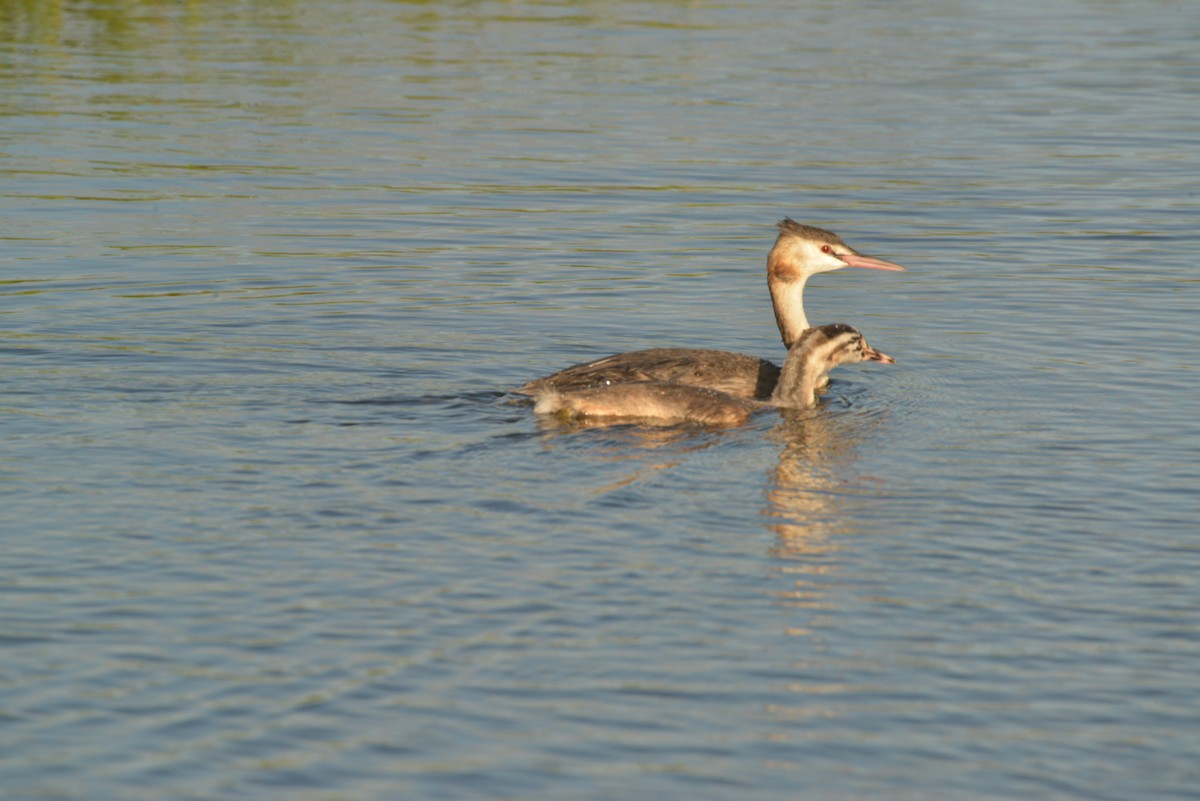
{"type": "Point", "coordinates": [274, 526]}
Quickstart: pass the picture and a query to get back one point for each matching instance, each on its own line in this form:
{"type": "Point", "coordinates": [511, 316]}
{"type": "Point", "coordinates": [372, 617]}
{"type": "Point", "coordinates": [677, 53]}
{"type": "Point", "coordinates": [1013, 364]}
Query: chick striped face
{"type": "Point", "coordinates": [839, 343]}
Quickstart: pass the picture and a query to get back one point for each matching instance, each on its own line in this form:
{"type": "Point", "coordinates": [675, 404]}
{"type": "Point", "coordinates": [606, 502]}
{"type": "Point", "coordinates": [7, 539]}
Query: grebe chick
{"type": "Point", "coordinates": [799, 252]}
{"type": "Point", "coordinates": [815, 353]}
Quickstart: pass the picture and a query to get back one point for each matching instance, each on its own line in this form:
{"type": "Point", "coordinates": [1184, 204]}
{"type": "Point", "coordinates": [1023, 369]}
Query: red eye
{"type": "Point", "coordinates": [826, 249]}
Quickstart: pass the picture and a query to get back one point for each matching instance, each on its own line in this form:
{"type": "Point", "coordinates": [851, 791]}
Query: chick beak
{"type": "Point", "coordinates": [872, 355]}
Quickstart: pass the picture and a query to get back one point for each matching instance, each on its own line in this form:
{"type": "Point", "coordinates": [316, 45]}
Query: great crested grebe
{"type": "Point", "coordinates": [811, 357]}
{"type": "Point", "coordinates": [800, 251]}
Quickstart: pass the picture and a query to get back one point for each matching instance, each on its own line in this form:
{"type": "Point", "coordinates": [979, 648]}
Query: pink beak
{"type": "Point", "coordinates": [869, 262]}
{"type": "Point", "coordinates": [872, 355]}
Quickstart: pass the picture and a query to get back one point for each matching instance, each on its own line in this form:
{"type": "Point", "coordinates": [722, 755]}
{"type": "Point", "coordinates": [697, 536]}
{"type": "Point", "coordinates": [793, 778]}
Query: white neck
{"type": "Point", "coordinates": [788, 299]}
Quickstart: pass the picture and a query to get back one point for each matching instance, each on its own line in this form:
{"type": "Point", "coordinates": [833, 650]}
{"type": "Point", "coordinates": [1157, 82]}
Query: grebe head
{"type": "Point", "coordinates": [838, 343]}
{"type": "Point", "coordinates": [804, 250]}
{"type": "Point", "coordinates": [815, 353]}
{"type": "Point", "coordinates": [799, 252]}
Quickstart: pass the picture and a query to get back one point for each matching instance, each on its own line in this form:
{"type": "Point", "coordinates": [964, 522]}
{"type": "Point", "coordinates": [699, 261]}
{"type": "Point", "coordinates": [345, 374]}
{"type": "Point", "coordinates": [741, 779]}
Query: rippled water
{"type": "Point", "coordinates": [273, 525]}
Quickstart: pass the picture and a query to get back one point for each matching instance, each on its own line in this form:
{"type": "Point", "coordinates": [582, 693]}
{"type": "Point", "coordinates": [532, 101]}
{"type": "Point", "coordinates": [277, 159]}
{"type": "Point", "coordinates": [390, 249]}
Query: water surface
{"type": "Point", "coordinates": [273, 524]}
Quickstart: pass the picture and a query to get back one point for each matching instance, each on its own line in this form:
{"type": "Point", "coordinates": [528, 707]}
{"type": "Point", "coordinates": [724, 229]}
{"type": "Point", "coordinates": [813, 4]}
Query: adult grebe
{"type": "Point", "coordinates": [800, 251]}
{"type": "Point", "coordinates": [811, 357]}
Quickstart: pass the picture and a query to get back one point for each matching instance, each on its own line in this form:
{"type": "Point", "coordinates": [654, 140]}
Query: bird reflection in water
{"type": "Point", "coordinates": [626, 441]}
{"type": "Point", "coordinates": [808, 499]}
